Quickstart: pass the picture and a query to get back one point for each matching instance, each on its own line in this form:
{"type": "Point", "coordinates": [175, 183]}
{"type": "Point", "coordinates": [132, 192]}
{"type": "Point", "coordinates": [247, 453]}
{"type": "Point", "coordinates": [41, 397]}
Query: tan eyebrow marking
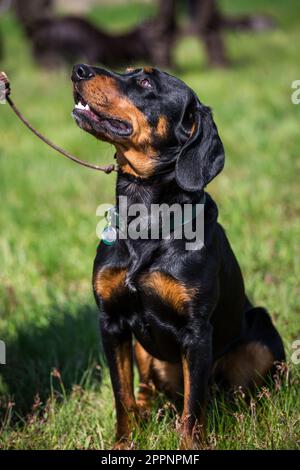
{"type": "Point", "coordinates": [162, 126]}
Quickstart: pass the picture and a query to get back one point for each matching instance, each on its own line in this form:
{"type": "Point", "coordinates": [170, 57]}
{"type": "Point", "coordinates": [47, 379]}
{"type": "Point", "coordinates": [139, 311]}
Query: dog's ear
{"type": "Point", "coordinates": [202, 156]}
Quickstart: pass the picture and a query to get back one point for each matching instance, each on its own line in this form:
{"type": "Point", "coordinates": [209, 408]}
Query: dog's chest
{"type": "Point", "coordinates": [155, 312]}
{"type": "Point", "coordinates": [152, 287]}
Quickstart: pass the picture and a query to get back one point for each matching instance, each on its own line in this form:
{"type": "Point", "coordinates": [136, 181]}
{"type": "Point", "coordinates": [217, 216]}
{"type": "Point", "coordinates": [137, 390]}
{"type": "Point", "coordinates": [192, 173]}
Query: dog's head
{"type": "Point", "coordinates": [153, 119]}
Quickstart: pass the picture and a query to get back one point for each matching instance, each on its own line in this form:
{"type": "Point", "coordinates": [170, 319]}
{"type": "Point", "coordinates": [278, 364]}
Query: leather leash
{"type": "Point", "coordinates": [6, 95]}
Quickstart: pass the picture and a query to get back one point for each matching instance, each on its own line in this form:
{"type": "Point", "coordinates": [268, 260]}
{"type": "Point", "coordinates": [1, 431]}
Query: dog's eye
{"type": "Point", "coordinates": [145, 83]}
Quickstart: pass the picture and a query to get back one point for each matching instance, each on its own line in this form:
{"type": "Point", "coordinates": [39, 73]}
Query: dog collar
{"type": "Point", "coordinates": [109, 233]}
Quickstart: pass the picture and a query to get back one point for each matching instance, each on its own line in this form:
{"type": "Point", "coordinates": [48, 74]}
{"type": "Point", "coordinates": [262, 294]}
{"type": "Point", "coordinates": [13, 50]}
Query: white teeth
{"type": "Point", "coordinates": [79, 105]}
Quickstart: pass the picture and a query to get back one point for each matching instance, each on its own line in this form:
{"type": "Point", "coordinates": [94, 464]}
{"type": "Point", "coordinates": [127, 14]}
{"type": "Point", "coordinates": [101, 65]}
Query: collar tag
{"type": "Point", "coordinates": [109, 234]}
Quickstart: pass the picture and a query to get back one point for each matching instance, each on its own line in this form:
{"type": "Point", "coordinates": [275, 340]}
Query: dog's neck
{"type": "Point", "coordinates": [160, 189]}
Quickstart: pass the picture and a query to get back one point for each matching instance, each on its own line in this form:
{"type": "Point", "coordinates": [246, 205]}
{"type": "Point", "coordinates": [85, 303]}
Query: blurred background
{"type": "Point", "coordinates": [241, 57]}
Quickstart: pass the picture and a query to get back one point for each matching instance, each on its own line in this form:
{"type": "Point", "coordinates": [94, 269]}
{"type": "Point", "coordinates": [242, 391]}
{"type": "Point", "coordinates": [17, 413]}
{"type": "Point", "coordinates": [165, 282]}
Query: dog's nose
{"type": "Point", "coordinates": [82, 72]}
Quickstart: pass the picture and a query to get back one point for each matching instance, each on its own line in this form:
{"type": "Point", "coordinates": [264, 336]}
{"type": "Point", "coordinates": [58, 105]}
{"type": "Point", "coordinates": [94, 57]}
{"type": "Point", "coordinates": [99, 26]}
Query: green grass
{"type": "Point", "coordinates": [47, 239]}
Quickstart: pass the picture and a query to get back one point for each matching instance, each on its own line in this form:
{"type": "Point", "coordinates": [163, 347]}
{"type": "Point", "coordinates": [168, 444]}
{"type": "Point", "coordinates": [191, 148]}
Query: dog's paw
{"type": "Point", "coordinates": [189, 443]}
{"type": "Point", "coordinates": [194, 439]}
{"type": "Point", "coordinates": [144, 409]}
{"type": "Point", "coordinates": [124, 444]}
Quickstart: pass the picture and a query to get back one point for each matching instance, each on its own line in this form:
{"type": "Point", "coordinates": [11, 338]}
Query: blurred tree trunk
{"type": "Point", "coordinates": [30, 11]}
{"type": "Point", "coordinates": [167, 14]}
{"type": "Point", "coordinates": [208, 23]}
{"type": "Point", "coordinates": [161, 32]}
{"type": "Point", "coordinates": [205, 22]}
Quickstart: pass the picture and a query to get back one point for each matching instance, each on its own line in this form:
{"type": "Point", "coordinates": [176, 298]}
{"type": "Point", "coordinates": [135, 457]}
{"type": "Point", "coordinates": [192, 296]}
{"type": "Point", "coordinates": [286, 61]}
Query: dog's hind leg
{"type": "Point", "coordinates": [155, 376]}
{"type": "Point", "coordinates": [144, 362]}
{"type": "Point", "coordinates": [245, 366]}
{"type": "Point", "coordinates": [261, 328]}
{"type": "Point", "coordinates": [253, 359]}
{"type": "Point", "coordinates": [168, 378]}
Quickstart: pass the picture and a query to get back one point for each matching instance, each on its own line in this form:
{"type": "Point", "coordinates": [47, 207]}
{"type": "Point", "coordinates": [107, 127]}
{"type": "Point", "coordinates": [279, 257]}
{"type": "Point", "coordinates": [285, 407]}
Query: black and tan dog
{"type": "Point", "coordinates": [187, 310]}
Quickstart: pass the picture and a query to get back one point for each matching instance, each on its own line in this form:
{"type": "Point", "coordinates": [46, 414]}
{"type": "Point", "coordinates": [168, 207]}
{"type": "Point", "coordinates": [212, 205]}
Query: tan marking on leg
{"type": "Point", "coordinates": [186, 441]}
{"type": "Point", "coordinates": [145, 367]}
{"type": "Point", "coordinates": [126, 408]}
{"type": "Point", "coordinates": [109, 281]}
{"type": "Point", "coordinates": [247, 365]}
{"type": "Point", "coordinates": [176, 294]}
{"type": "Point", "coordinates": [168, 378]}
{"type": "Point", "coordinates": [124, 365]}
{"type": "Point", "coordinates": [193, 431]}
{"type": "Point", "coordinates": [187, 388]}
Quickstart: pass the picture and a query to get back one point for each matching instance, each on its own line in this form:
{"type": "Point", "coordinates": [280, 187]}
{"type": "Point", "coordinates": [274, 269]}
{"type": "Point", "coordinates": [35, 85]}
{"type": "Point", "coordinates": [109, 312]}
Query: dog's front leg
{"type": "Point", "coordinates": [196, 364]}
{"type": "Point", "coordinates": [118, 351]}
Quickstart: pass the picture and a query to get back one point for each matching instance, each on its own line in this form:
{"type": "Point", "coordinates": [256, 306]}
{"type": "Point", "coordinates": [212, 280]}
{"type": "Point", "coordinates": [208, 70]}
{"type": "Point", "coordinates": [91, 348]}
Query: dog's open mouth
{"type": "Point", "coordinates": [95, 122]}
